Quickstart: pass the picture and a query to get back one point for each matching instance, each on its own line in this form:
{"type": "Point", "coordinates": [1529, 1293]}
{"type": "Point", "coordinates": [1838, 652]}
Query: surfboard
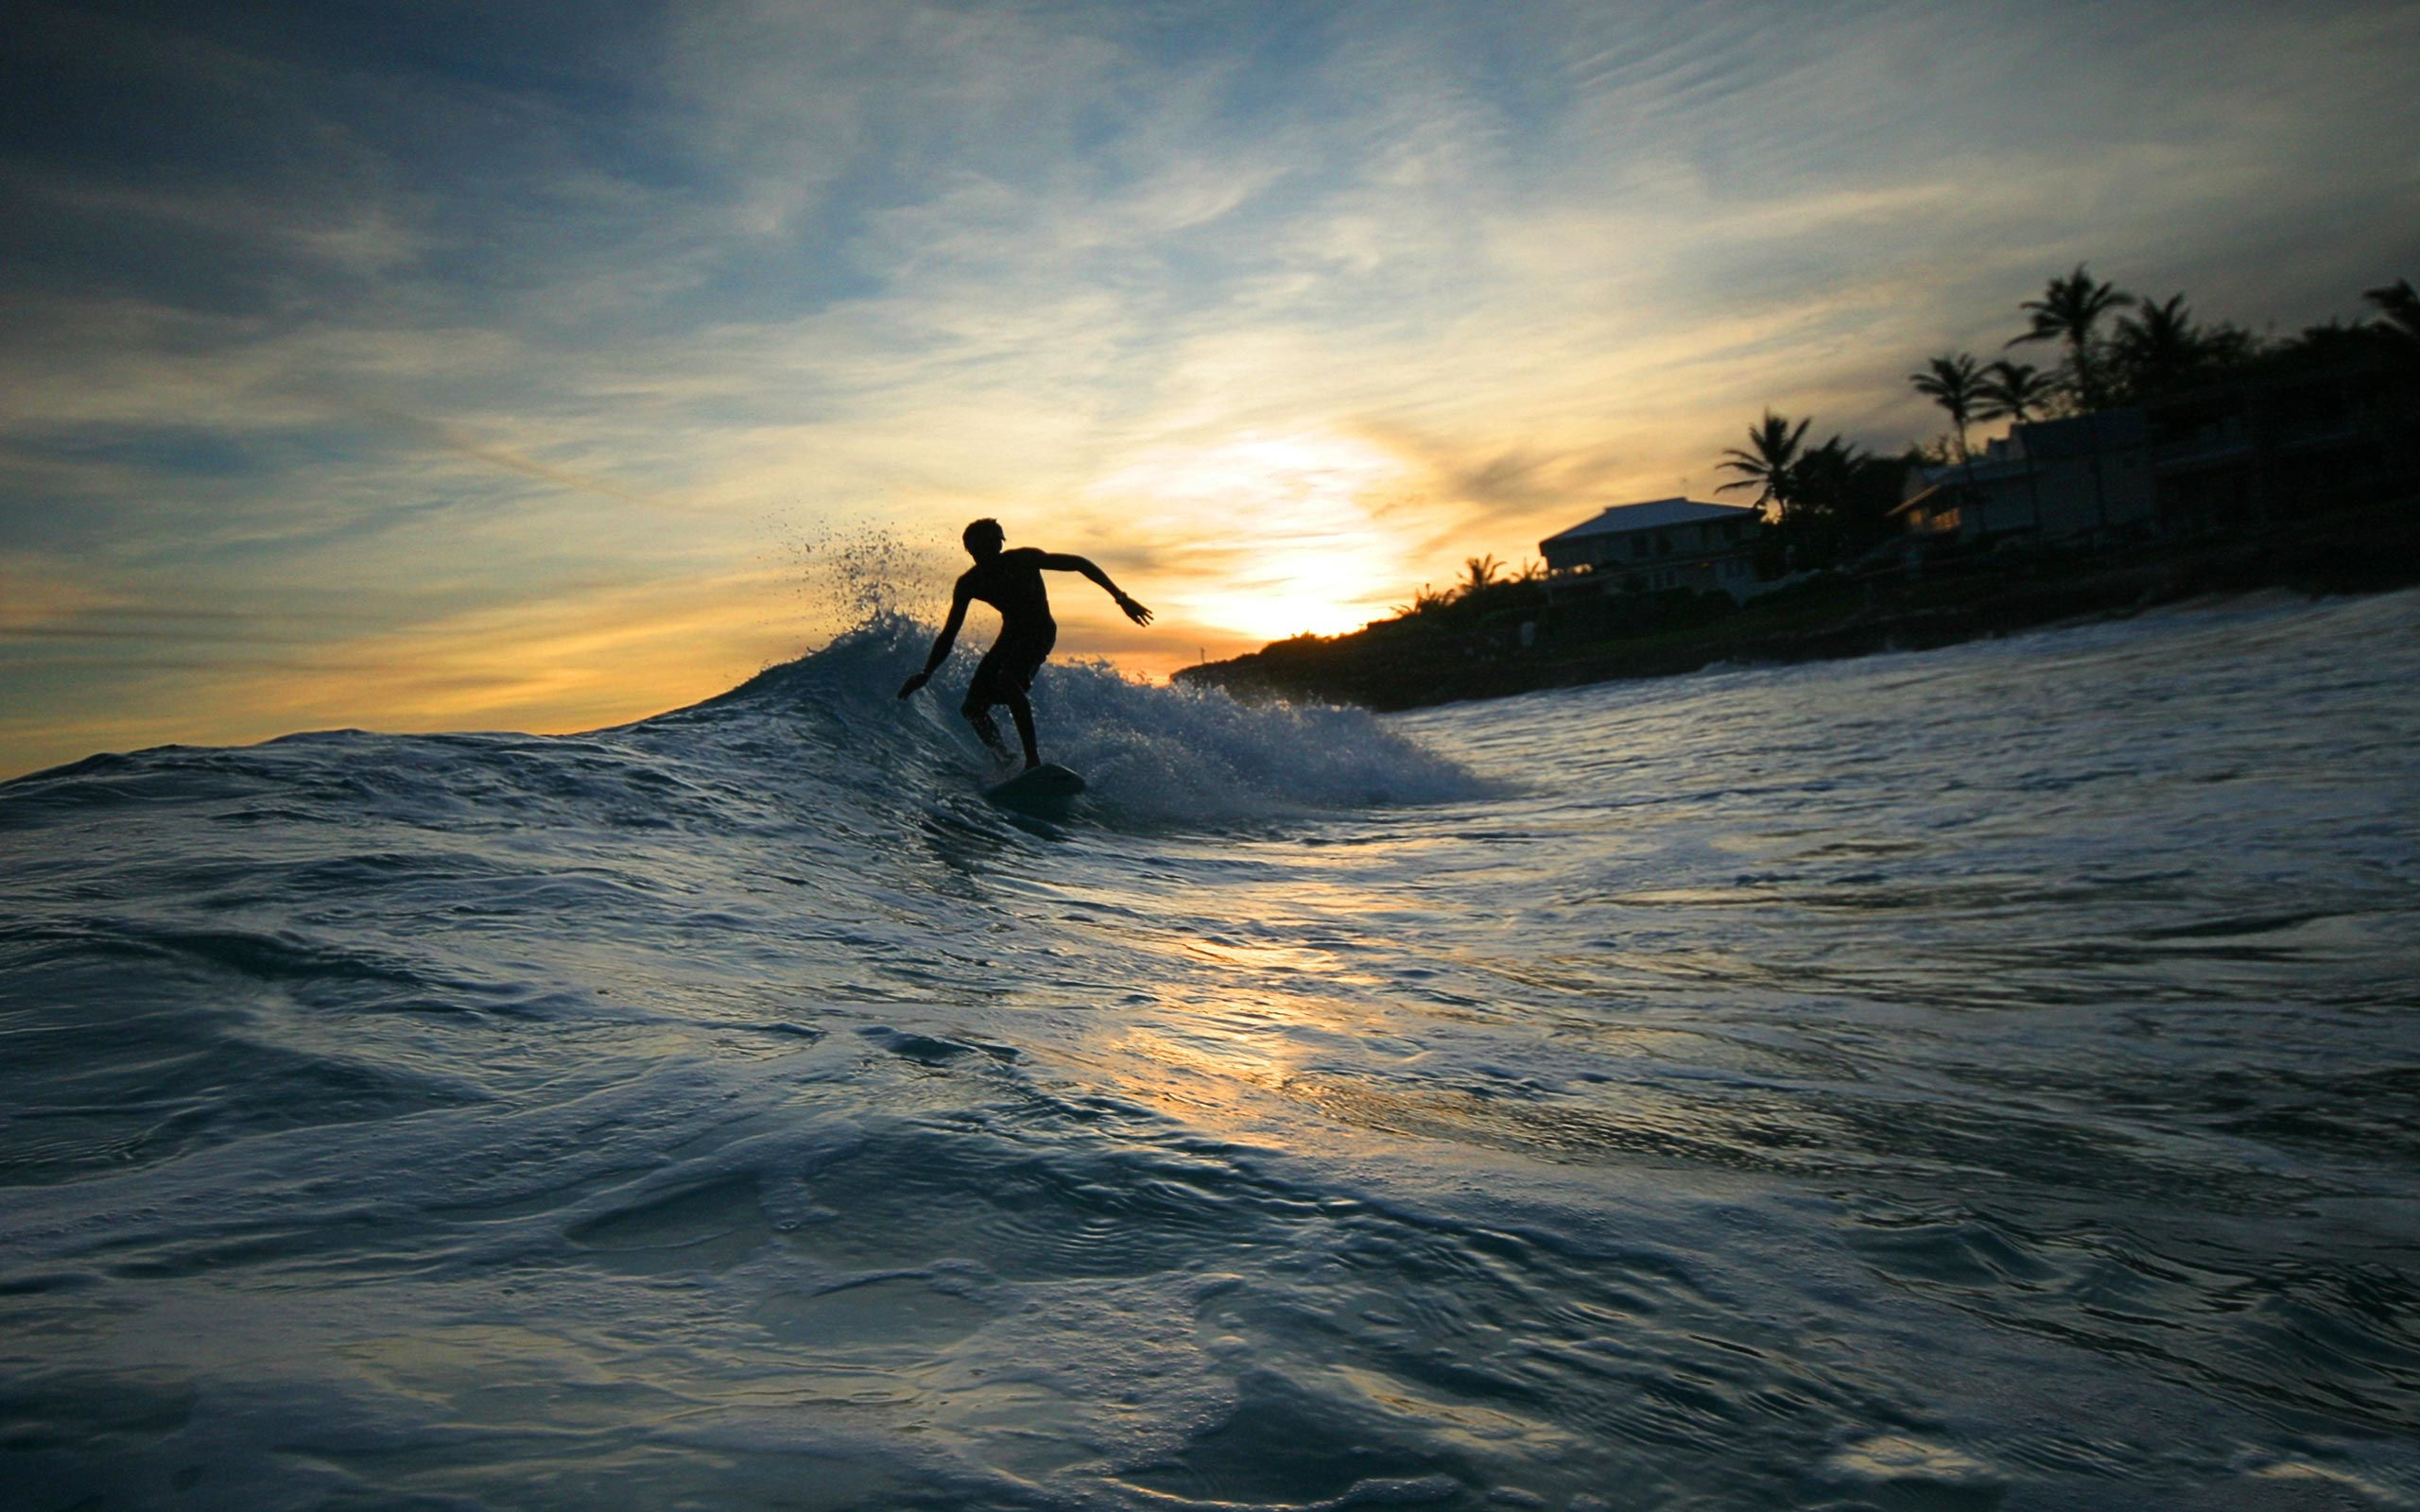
{"type": "Point", "coordinates": [1047, 789]}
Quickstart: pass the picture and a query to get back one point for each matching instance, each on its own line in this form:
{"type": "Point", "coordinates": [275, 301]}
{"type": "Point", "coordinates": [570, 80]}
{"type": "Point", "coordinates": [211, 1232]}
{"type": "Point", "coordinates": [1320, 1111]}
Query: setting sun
{"type": "Point", "coordinates": [1279, 534]}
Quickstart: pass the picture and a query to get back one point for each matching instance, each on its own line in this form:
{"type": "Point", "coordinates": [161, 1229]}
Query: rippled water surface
{"type": "Point", "coordinates": [1979, 1079]}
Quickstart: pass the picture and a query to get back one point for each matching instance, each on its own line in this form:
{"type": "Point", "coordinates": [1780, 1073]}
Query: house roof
{"type": "Point", "coordinates": [2107, 430]}
{"type": "Point", "coordinates": [1990, 467]}
{"type": "Point", "coordinates": [1624, 518]}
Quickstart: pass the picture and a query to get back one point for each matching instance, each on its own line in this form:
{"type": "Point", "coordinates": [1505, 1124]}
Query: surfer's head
{"type": "Point", "coordinates": [984, 538]}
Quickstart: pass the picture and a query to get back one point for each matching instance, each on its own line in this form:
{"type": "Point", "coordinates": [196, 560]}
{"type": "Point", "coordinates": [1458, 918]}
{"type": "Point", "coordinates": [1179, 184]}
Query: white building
{"type": "Point", "coordinates": [1663, 543]}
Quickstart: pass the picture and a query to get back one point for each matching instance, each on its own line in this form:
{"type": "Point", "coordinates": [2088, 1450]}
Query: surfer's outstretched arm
{"type": "Point", "coordinates": [1064, 561]}
{"type": "Point", "coordinates": [942, 643]}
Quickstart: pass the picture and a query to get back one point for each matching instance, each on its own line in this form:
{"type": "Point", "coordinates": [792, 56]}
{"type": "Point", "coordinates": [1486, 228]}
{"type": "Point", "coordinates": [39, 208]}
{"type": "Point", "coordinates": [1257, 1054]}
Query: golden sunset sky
{"type": "Point", "coordinates": [543, 366]}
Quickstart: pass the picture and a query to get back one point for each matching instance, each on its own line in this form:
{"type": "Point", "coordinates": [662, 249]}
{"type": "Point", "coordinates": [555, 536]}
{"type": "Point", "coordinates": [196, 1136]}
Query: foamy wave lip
{"type": "Point", "coordinates": [1151, 752]}
{"type": "Point", "coordinates": [863, 663]}
{"type": "Point", "coordinates": [1158, 752]}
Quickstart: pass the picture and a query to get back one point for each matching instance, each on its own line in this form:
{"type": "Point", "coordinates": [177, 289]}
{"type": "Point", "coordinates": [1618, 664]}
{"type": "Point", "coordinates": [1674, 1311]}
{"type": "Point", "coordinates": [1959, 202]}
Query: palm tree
{"type": "Point", "coordinates": [1479, 572]}
{"type": "Point", "coordinates": [1840, 503]}
{"type": "Point", "coordinates": [1822, 477]}
{"type": "Point", "coordinates": [1952, 383]}
{"type": "Point", "coordinates": [2158, 347]}
{"type": "Point", "coordinates": [2014, 390]}
{"type": "Point", "coordinates": [2068, 309]}
{"type": "Point", "coordinates": [1819, 487]}
{"type": "Point", "coordinates": [2399, 307]}
{"type": "Point", "coordinates": [1765, 463]}
{"type": "Point", "coordinates": [2018, 391]}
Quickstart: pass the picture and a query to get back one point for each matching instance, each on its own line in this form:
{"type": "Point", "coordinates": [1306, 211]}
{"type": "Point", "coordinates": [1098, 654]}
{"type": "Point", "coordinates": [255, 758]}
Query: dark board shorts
{"type": "Point", "coordinates": [1010, 666]}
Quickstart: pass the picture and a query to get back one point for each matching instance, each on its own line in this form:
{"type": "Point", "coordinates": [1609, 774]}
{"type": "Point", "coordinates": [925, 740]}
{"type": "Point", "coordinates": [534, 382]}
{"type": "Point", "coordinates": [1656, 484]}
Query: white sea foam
{"type": "Point", "coordinates": [1154, 754]}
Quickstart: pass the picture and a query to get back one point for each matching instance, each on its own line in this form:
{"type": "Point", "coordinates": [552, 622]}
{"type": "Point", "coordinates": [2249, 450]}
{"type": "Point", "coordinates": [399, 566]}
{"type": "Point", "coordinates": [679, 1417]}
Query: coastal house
{"type": "Point", "coordinates": [2060, 480]}
{"type": "Point", "coordinates": [2284, 443]}
{"type": "Point", "coordinates": [1660, 544]}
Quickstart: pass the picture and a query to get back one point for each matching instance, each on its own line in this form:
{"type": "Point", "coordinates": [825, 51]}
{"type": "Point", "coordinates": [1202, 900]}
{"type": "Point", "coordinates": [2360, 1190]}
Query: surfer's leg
{"type": "Point", "coordinates": [981, 694]}
{"type": "Point", "coordinates": [981, 717]}
{"type": "Point", "coordinates": [1032, 650]}
{"type": "Point", "coordinates": [1022, 712]}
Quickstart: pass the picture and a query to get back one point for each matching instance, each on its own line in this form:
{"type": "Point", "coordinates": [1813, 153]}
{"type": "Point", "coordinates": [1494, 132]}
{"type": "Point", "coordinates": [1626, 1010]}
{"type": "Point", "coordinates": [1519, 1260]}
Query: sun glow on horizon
{"type": "Point", "coordinates": [1277, 534]}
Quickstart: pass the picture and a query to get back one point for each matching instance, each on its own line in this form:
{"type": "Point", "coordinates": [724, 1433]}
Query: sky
{"type": "Point", "coordinates": [543, 366]}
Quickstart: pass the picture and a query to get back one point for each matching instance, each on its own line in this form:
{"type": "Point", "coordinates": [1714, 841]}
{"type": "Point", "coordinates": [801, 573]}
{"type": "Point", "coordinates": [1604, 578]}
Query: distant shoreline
{"type": "Point", "coordinates": [1404, 664]}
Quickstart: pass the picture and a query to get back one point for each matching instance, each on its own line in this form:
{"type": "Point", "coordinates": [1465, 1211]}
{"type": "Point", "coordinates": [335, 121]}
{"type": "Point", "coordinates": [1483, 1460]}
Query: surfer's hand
{"type": "Point", "coordinates": [1134, 612]}
{"type": "Point", "coordinates": [913, 683]}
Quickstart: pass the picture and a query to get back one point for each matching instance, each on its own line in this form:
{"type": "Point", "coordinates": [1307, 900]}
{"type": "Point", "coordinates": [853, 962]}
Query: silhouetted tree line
{"type": "Point", "coordinates": [1486, 590]}
{"type": "Point", "coordinates": [2156, 349]}
{"type": "Point", "coordinates": [1829, 503]}
{"type": "Point", "coordinates": [1822, 503]}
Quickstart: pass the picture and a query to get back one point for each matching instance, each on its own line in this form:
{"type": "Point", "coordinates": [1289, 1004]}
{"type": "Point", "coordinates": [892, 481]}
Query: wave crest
{"type": "Point", "coordinates": [1151, 752]}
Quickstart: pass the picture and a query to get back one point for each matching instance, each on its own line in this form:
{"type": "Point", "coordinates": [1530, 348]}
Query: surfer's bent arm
{"type": "Point", "coordinates": [942, 643]}
{"type": "Point", "coordinates": [1064, 561]}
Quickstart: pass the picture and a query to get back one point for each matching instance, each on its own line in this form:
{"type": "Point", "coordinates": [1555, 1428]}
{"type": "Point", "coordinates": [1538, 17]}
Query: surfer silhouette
{"type": "Point", "coordinates": [1010, 582]}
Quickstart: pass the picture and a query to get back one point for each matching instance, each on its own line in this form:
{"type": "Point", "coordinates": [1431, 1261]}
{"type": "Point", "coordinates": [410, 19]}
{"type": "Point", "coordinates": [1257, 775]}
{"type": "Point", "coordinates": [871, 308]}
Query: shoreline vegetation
{"type": "Point", "coordinates": [1857, 554]}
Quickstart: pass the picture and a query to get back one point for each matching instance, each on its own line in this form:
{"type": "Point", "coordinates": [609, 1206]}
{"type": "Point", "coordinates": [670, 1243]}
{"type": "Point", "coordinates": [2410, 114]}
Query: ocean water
{"type": "Point", "coordinates": [1977, 1080]}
